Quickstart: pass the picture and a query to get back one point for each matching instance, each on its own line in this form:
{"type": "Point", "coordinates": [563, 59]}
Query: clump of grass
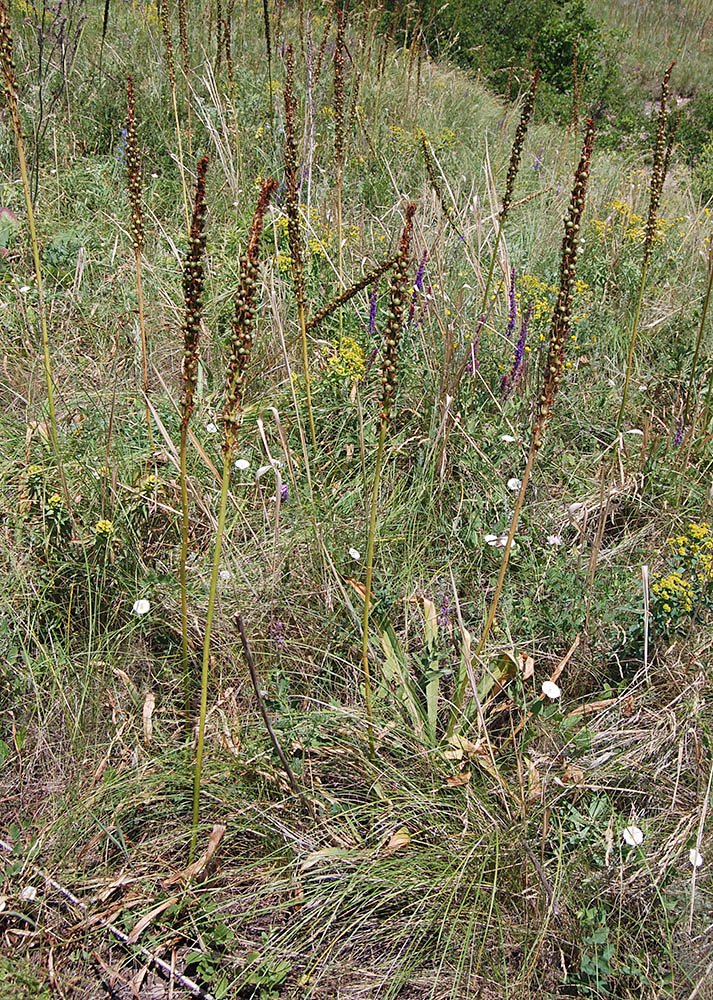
{"type": "Point", "coordinates": [133, 167]}
{"type": "Point", "coordinates": [389, 361]}
{"type": "Point", "coordinates": [193, 283]}
{"type": "Point", "coordinates": [558, 334]}
{"type": "Point", "coordinates": [241, 342]}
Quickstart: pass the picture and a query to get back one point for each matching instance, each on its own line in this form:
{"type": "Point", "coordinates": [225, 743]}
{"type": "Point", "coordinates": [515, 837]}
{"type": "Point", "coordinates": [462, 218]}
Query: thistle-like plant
{"type": "Point", "coordinates": [193, 282]}
{"type": "Point", "coordinates": [8, 75]}
{"type": "Point", "coordinates": [241, 342]}
{"type": "Point", "coordinates": [293, 222]}
{"type": "Point", "coordinates": [133, 169]}
{"type": "Point", "coordinates": [662, 154]}
{"type": "Point", "coordinates": [558, 336]}
{"type": "Point", "coordinates": [389, 362]}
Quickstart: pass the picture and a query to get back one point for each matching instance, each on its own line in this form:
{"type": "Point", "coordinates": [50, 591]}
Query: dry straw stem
{"type": "Point", "coordinates": [392, 335]}
{"type": "Point", "coordinates": [9, 81]}
{"type": "Point", "coordinates": [559, 333]}
{"type": "Point", "coordinates": [293, 222]}
{"type": "Point", "coordinates": [350, 292]}
{"type": "Point", "coordinates": [662, 155]}
{"type": "Point", "coordinates": [133, 165]}
{"type": "Point", "coordinates": [193, 282]}
{"type": "Point", "coordinates": [241, 342]}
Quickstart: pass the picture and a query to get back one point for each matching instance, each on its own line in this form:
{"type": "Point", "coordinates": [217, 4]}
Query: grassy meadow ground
{"type": "Point", "coordinates": [477, 852]}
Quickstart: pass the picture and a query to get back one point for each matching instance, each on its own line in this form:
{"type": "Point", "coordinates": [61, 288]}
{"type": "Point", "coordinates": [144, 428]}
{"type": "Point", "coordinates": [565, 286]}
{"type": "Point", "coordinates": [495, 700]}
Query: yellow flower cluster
{"type": "Point", "coordinates": [673, 593]}
{"type": "Point", "coordinates": [632, 225]}
{"type": "Point", "coordinates": [695, 548]}
{"type": "Point", "coordinates": [103, 528]}
{"type": "Point", "coordinates": [543, 296]}
{"type": "Point", "coordinates": [347, 361]}
{"type": "Point", "coordinates": [408, 141]}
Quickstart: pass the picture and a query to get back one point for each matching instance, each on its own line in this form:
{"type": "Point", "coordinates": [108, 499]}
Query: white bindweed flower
{"type": "Point", "coordinates": [141, 607]}
{"type": "Point", "coordinates": [636, 432]}
{"type": "Point", "coordinates": [241, 464]}
{"type": "Point", "coordinates": [554, 539]}
{"type": "Point", "coordinates": [643, 388]}
{"type": "Point", "coordinates": [211, 428]}
{"type": "Point", "coordinates": [551, 690]}
{"type": "Point", "coordinates": [514, 484]}
{"type": "Point", "coordinates": [28, 893]}
{"type": "Point", "coordinates": [695, 857]}
{"type": "Point", "coordinates": [508, 438]}
{"type": "Point", "coordinates": [355, 554]}
{"type": "Point", "coordinates": [225, 574]}
{"type": "Point", "coordinates": [24, 289]}
{"type": "Point", "coordinates": [491, 539]}
{"type": "Point", "coordinates": [633, 836]}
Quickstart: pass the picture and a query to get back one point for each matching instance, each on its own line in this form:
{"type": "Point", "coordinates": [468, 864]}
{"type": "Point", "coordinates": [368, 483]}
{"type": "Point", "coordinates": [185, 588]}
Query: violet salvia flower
{"type": "Point", "coordinates": [284, 492]}
{"type": "Point", "coordinates": [417, 287]}
{"type": "Point", "coordinates": [511, 381]}
{"type": "Point", "coordinates": [678, 436]}
{"type": "Point", "coordinates": [445, 613]}
{"type": "Point", "coordinates": [372, 308]}
{"type": "Point", "coordinates": [512, 295]}
{"type": "Point", "coordinates": [473, 363]}
{"type": "Point", "coordinates": [367, 367]}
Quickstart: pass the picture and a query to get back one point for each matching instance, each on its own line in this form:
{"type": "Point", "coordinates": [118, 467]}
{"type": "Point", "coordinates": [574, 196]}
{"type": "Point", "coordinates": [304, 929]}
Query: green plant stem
{"type": "Point", "coordinates": [367, 585]}
{"type": "Point", "coordinates": [206, 644]}
{"type": "Point", "coordinates": [144, 352]}
{"type": "Point", "coordinates": [182, 568]}
{"type": "Point", "coordinates": [508, 547]}
{"type": "Point", "coordinates": [632, 343]}
{"type": "Point", "coordinates": [181, 168]}
{"type": "Point", "coordinates": [305, 362]}
{"type": "Point", "coordinates": [491, 270]}
{"type": "Point", "coordinates": [20, 146]}
{"type": "Point", "coordinates": [699, 340]}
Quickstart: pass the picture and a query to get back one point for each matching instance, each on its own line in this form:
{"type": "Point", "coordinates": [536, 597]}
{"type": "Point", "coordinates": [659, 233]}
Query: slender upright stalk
{"type": "Point", "coordinates": [662, 153]}
{"type": "Point", "coordinates": [559, 332]}
{"type": "Point", "coordinates": [183, 29]}
{"type": "Point", "coordinates": [339, 147]}
{"type": "Point", "coordinates": [133, 163]}
{"type": "Point", "coordinates": [293, 224]}
{"type": "Point", "coordinates": [9, 81]}
{"type": "Point", "coordinates": [241, 342]}
{"type": "Point", "coordinates": [392, 335]}
{"type": "Point", "coordinates": [172, 82]}
{"type": "Point", "coordinates": [268, 46]}
{"type": "Point", "coordinates": [193, 283]}
{"type": "Point", "coordinates": [696, 352]}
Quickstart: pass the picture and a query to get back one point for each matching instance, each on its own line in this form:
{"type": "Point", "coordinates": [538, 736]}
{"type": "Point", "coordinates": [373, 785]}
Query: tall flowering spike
{"type": "Point", "coordinates": [394, 322]}
{"type": "Point", "coordinates": [133, 165]}
{"type": "Point", "coordinates": [291, 193]}
{"type": "Point", "coordinates": [511, 381]}
{"type": "Point", "coordinates": [528, 105]}
{"type": "Point", "coordinates": [166, 28]}
{"type": "Point", "coordinates": [561, 317]}
{"type": "Point", "coordinates": [7, 60]}
{"type": "Point", "coordinates": [193, 282]}
{"type": "Point", "coordinates": [662, 155]}
{"type": "Point", "coordinates": [243, 326]}
{"type": "Point", "coordinates": [339, 110]}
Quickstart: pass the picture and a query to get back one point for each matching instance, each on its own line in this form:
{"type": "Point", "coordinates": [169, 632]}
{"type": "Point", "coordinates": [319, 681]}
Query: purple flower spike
{"type": "Point", "coordinates": [284, 492]}
{"type": "Point", "coordinates": [513, 378]}
{"type": "Point", "coordinates": [512, 295]}
{"type": "Point", "coordinates": [417, 287]}
{"type": "Point", "coordinates": [678, 436]}
{"type": "Point", "coordinates": [372, 308]}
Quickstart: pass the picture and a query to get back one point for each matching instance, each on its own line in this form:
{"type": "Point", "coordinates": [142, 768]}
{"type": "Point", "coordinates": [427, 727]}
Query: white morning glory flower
{"type": "Point", "coordinates": [633, 836]}
{"type": "Point", "coordinates": [24, 289]}
{"type": "Point", "coordinates": [225, 574]}
{"type": "Point", "coordinates": [554, 539]}
{"type": "Point", "coordinates": [551, 690]}
{"type": "Point", "coordinates": [514, 484]}
{"type": "Point", "coordinates": [508, 438]}
{"type": "Point", "coordinates": [211, 428]}
{"type": "Point", "coordinates": [491, 539]}
{"type": "Point", "coordinates": [242, 464]}
{"type": "Point", "coordinates": [355, 554]}
{"type": "Point", "coordinates": [141, 607]}
{"type": "Point", "coordinates": [695, 857]}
